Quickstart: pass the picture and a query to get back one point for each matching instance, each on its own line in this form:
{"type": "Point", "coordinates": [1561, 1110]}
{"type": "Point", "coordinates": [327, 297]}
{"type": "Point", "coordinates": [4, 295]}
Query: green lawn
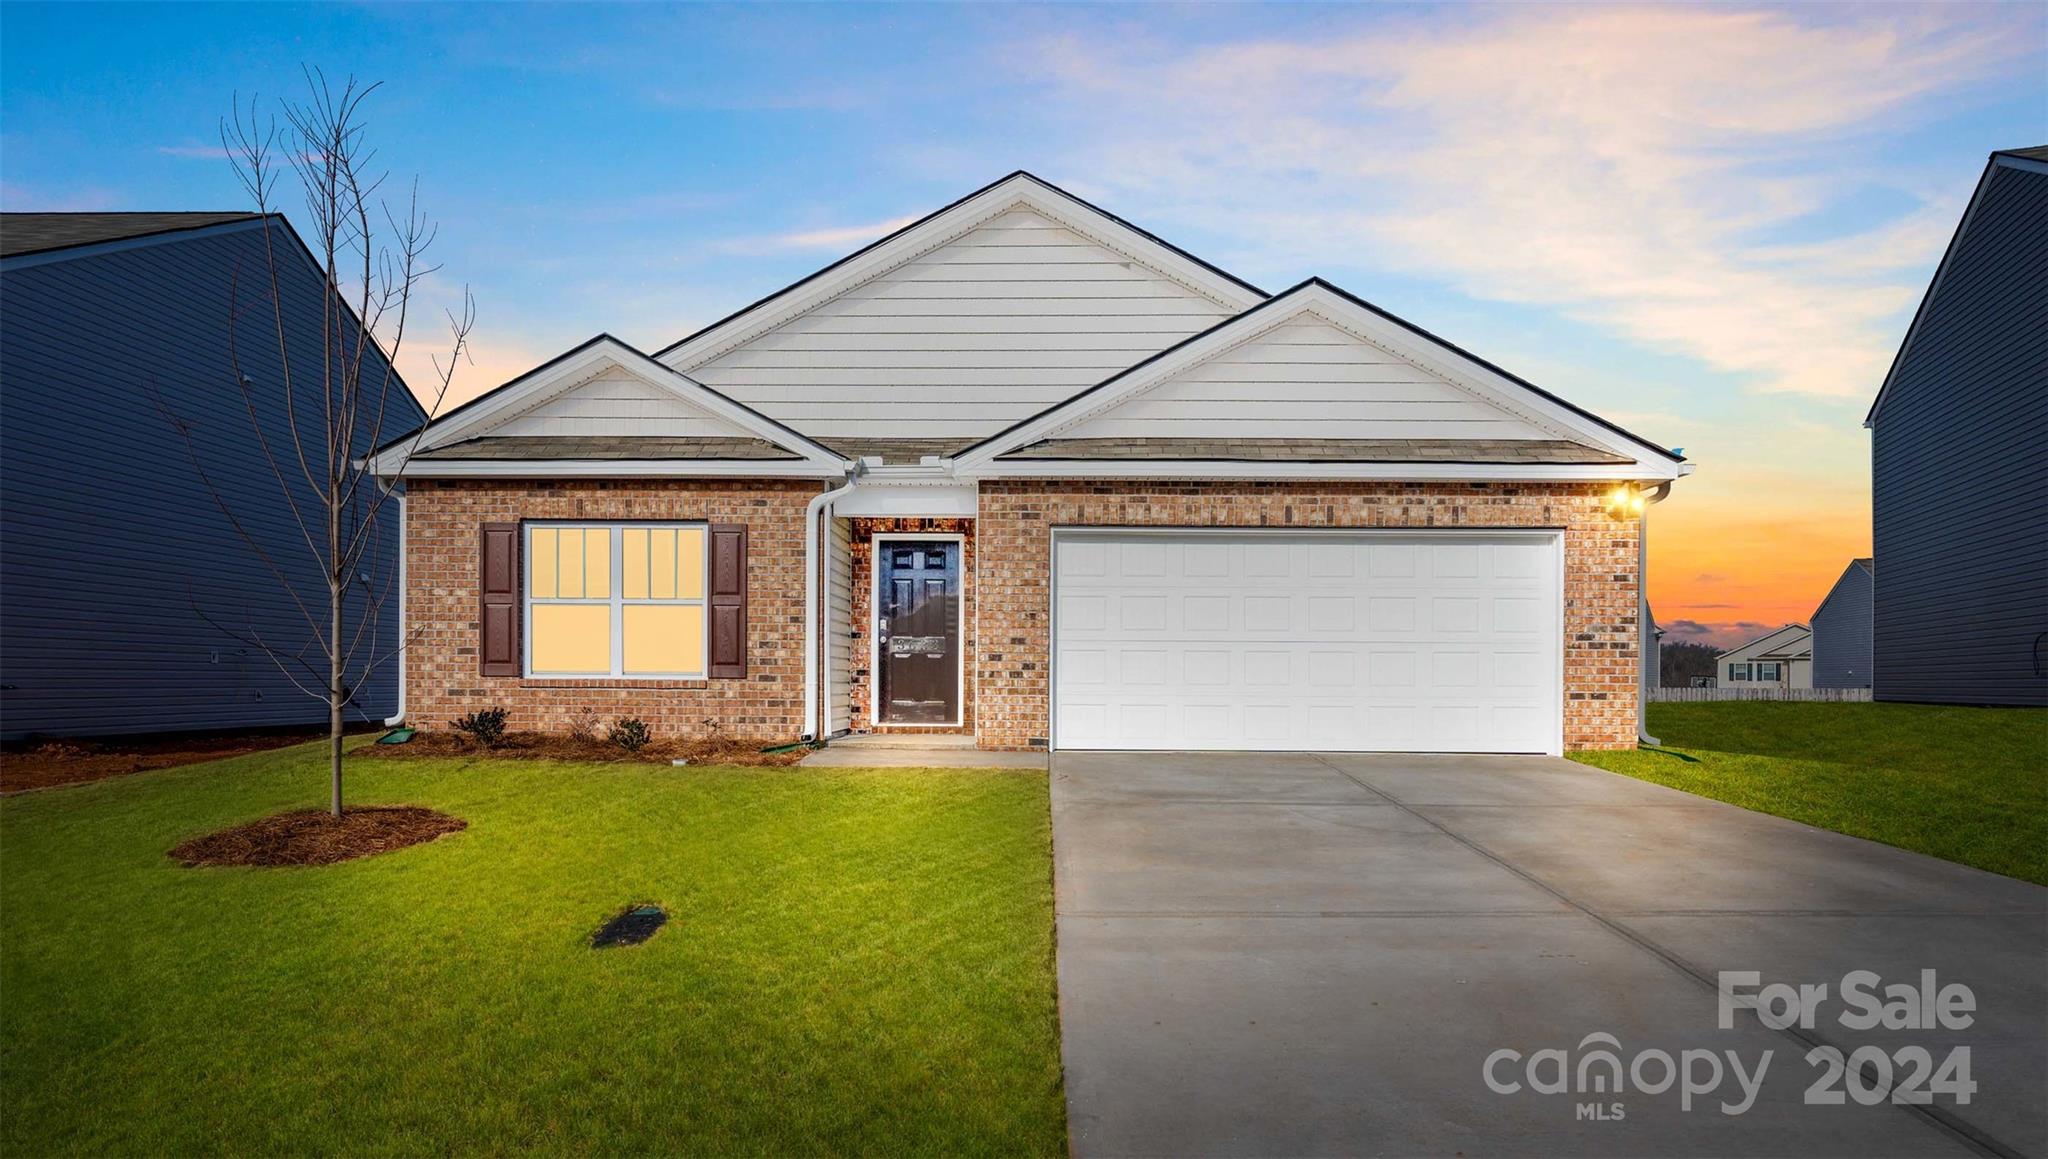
{"type": "Point", "coordinates": [857, 961]}
{"type": "Point", "coordinates": [1966, 784]}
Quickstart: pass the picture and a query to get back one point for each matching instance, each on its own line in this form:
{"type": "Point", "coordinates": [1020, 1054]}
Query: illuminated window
{"type": "Point", "coordinates": [622, 599]}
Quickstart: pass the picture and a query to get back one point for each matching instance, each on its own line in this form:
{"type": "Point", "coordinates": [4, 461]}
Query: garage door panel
{"type": "Point", "coordinates": [1311, 640]}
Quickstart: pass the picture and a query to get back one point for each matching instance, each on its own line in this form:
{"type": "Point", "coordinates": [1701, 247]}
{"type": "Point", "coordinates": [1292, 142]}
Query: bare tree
{"type": "Point", "coordinates": [334, 411]}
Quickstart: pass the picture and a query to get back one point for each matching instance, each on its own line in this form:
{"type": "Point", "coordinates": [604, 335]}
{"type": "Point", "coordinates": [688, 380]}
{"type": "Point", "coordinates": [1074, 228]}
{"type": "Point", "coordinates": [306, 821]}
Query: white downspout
{"type": "Point", "coordinates": [400, 657]}
{"type": "Point", "coordinates": [811, 522]}
{"type": "Point", "coordinates": [1645, 638]}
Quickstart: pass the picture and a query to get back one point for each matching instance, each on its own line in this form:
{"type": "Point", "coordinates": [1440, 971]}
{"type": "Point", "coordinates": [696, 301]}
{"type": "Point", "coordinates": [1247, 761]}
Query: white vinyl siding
{"type": "Point", "coordinates": [619, 403]}
{"type": "Point", "coordinates": [1010, 318]}
{"type": "Point", "coordinates": [1311, 640]}
{"type": "Point", "coordinates": [1306, 379]}
{"type": "Point", "coordinates": [839, 624]}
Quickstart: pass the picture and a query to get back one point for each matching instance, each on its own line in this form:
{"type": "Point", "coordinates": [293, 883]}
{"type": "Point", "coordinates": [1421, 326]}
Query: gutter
{"type": "Point", "coordinates": [1645, 639]}
{"type": "Point", "coordinates": [812, 720]}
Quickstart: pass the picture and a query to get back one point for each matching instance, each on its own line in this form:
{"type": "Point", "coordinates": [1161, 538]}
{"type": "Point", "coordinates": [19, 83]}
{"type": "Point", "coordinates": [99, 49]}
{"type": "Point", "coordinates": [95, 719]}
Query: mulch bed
{"type": "Point", "coordinates": [46, 763]}
{"type": "Point", "coordinates": [562, 747]}
{"type": "Point", "coordinates": [317, 837]}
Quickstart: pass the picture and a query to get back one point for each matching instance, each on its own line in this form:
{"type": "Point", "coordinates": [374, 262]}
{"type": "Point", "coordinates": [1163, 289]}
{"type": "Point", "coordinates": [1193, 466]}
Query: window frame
{"type": "Point", "coordinates": [617, 601]}
{"type": "Point", "coordinates": [1739, 670]}
{"type": "Point", "coordinates": [1777, 668]}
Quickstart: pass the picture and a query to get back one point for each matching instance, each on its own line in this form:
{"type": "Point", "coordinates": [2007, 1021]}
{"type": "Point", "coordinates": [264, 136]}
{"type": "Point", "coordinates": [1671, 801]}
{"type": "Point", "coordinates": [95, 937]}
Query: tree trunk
{"type": "Point", "coordinates": [336, 694]}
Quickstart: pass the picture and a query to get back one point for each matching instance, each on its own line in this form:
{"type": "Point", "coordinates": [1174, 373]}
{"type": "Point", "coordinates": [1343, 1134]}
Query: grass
{"type": "Point", "coordinates": [857, 962]}
{"type": "Point", "coordinates": [1965, 784]}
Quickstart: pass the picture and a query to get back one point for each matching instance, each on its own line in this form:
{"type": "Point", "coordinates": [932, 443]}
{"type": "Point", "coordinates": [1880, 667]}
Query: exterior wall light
{"type": "Point", "coordinates": [1625, 501]}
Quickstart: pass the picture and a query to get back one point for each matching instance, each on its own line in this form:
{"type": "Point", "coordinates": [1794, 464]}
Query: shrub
{"type": "Point", "coordinates": [631, 734]}
{"type": "Point", "coordinates": [485, 726]}
{"type": "Point", "coordinates": [583, 726]}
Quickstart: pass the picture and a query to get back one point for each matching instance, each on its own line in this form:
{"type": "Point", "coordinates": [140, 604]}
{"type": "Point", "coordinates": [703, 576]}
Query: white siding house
{"type": "Point", "coordinates": [1778, 659]}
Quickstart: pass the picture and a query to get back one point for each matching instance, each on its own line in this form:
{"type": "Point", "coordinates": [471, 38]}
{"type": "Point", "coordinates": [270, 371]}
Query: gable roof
{"type": "Point", "coordinates": [460, 442]}
{"type": "Point", "coordinates": [2033, 159]}
{"type": "Point", "coordinates": [1855, 566]}
{"type": "Point", "coordinates": [1542, 416]}
{"type": "Point", "coordinates": [940, 226]}
{"type": "Point", "coordinates": [34, 233]}
{"type": "Point", "coordinates": [1790, 636]}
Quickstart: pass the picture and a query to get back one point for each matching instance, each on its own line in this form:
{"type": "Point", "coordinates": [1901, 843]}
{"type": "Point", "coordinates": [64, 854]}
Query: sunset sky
{"type": "Point", "coordinates": [1709, 224]}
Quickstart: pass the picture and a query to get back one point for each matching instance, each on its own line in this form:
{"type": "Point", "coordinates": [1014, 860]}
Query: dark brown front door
{"type": "Point", "coordinates": [917, 630]}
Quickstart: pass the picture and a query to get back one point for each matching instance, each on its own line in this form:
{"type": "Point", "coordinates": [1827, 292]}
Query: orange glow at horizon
{"type": "Point", "coordinates": [1739, 569]}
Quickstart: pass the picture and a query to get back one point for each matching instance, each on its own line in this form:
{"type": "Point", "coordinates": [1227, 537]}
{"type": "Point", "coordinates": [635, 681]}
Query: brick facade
{"type": "Point", "coordinates": [861, 692]}
{"type": "Point", "coordinates": [442, 681]}
{"type": "Point", "coordinates": [1600, 597]}
{"type": "Point", "coordinates": [1005, 586]}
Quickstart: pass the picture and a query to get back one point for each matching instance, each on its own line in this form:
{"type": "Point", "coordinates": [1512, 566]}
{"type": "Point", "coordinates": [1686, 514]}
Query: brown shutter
{"type": "Point", "coordinates": [497, 646]}
{"type": "Point", "coordinates": [728, 603]}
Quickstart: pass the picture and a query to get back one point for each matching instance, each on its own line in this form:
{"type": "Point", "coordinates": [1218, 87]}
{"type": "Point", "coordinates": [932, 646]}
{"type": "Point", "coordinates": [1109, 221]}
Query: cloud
{"type": "Point", "coordinates": [82, 199]}
{"type": "Point", "coordinates": [196, 152]}
{"type": "Point", "coordinates": [837, 238]}
{"type": "Point", "coordinates": [1637, 169]}
{"type": "Point", "coordinates": [1715, 634]}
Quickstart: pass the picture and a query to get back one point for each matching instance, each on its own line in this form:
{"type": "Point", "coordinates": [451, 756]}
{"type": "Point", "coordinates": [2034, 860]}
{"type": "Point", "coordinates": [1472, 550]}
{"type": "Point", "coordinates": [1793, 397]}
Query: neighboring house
{"type": "Point", "coordinates": [1959, 463]}
{"type": "Point", "coordinates": [1777, 659]}
{"type": "Point", "coordinates": [1026, 472]}
{"type": "Point", "coordinates": [1841, 631]}
{"type": "Point", "coordinates": [1653, 651]}
{"type": "Point", "coordinates": [120, 578]}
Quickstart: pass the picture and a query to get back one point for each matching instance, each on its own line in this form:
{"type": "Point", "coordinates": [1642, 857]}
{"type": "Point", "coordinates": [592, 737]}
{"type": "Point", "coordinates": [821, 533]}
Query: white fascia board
{"type": "Point", "coordinates": [1262, 469]}
{"type": "Point", "coordinates": [618, 469]}
{"type": "Point", "coordinates": [949, 224]}
{"type": "Point", "coordinates": [1326, 305]}
{"type": "Point", "coordinates": [581, 365]}
{"type": "Point", "coordinates": [900, 500]}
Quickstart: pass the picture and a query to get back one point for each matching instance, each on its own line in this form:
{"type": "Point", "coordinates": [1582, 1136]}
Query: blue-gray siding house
{"type": "Point", "coordinates": [1841, 631]}
{"type": "Point", "coordinates": [1959, 463]}
{"type": "Point", "coordinates": [123, 585]}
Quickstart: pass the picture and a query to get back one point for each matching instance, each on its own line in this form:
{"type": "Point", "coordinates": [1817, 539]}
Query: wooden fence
{"type": "Point", "coordinates": [1832, 694]}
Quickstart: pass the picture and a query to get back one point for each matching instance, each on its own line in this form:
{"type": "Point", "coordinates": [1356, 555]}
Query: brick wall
{"type": "Point", "coordinates": [442, 520]}
{"type": "Point", "coordinates": [1014, 575]}
{"type": "Point", "coordinates": [863, 530]}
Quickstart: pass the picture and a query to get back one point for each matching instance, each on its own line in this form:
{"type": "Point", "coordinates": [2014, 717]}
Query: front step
{"type": "Point", "coordinates": [903, 740]}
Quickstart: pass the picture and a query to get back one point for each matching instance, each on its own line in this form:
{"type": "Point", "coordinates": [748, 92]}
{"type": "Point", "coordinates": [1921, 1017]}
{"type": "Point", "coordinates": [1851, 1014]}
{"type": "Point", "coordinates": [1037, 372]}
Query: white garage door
{"type": "Point", "coordinates": [1313, 640]}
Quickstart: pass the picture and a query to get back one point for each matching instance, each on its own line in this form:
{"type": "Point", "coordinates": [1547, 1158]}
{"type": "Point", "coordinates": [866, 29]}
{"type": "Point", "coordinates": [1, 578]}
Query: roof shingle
{"type": "Point", "coordinates": [29, 233]}
{"type": "Point", "coordinates": [583, 447]}
{"type": "Point", "coordinates": [1324, 450]}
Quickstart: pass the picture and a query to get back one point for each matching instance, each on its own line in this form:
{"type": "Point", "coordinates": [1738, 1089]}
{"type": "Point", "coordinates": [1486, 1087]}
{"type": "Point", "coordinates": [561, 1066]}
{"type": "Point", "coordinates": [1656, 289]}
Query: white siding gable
{"type": "Point", "coordinates": [618, 402]}
{"type": "Point", "coordinates": [1792, 638]}
{"type": "Point", "coordinates": [993, 326]}
{"type": "Point", "coordinates": [1305, 378]}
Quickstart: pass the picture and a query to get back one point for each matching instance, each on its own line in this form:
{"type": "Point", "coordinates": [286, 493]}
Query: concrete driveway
{"type": "Point", "coordinates": [1315, 955]}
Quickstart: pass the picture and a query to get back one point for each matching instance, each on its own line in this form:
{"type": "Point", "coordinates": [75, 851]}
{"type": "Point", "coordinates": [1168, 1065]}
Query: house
{"type": "Point", "coordinates": [1959, 464]}
{"type": "Point", "coordinates": [1023, 471]}
{"type": "Point", "coordinates": [1778, 659]}
{"type": "Point", "coordinates": [128, 596]}
{"type": "Point", "coordinates": [1653, 652]}
{"type": "Point", "coordinates": [1841, 631]}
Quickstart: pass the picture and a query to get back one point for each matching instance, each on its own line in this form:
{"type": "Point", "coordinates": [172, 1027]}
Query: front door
{"type": "Point", "coordinates": [917, 631]}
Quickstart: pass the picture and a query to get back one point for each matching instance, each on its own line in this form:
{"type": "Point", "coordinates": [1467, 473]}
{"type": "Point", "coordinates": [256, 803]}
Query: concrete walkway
{"type": "Point", "coordinates": [1315, 955]}
{"type": "Point", "coordinates": [915, 751]}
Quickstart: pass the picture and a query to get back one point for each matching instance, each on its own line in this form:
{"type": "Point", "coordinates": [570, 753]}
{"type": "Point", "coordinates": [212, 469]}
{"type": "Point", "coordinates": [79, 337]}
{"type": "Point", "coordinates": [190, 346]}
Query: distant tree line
{"type": "Point", "coordinates": [1679, 663]}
